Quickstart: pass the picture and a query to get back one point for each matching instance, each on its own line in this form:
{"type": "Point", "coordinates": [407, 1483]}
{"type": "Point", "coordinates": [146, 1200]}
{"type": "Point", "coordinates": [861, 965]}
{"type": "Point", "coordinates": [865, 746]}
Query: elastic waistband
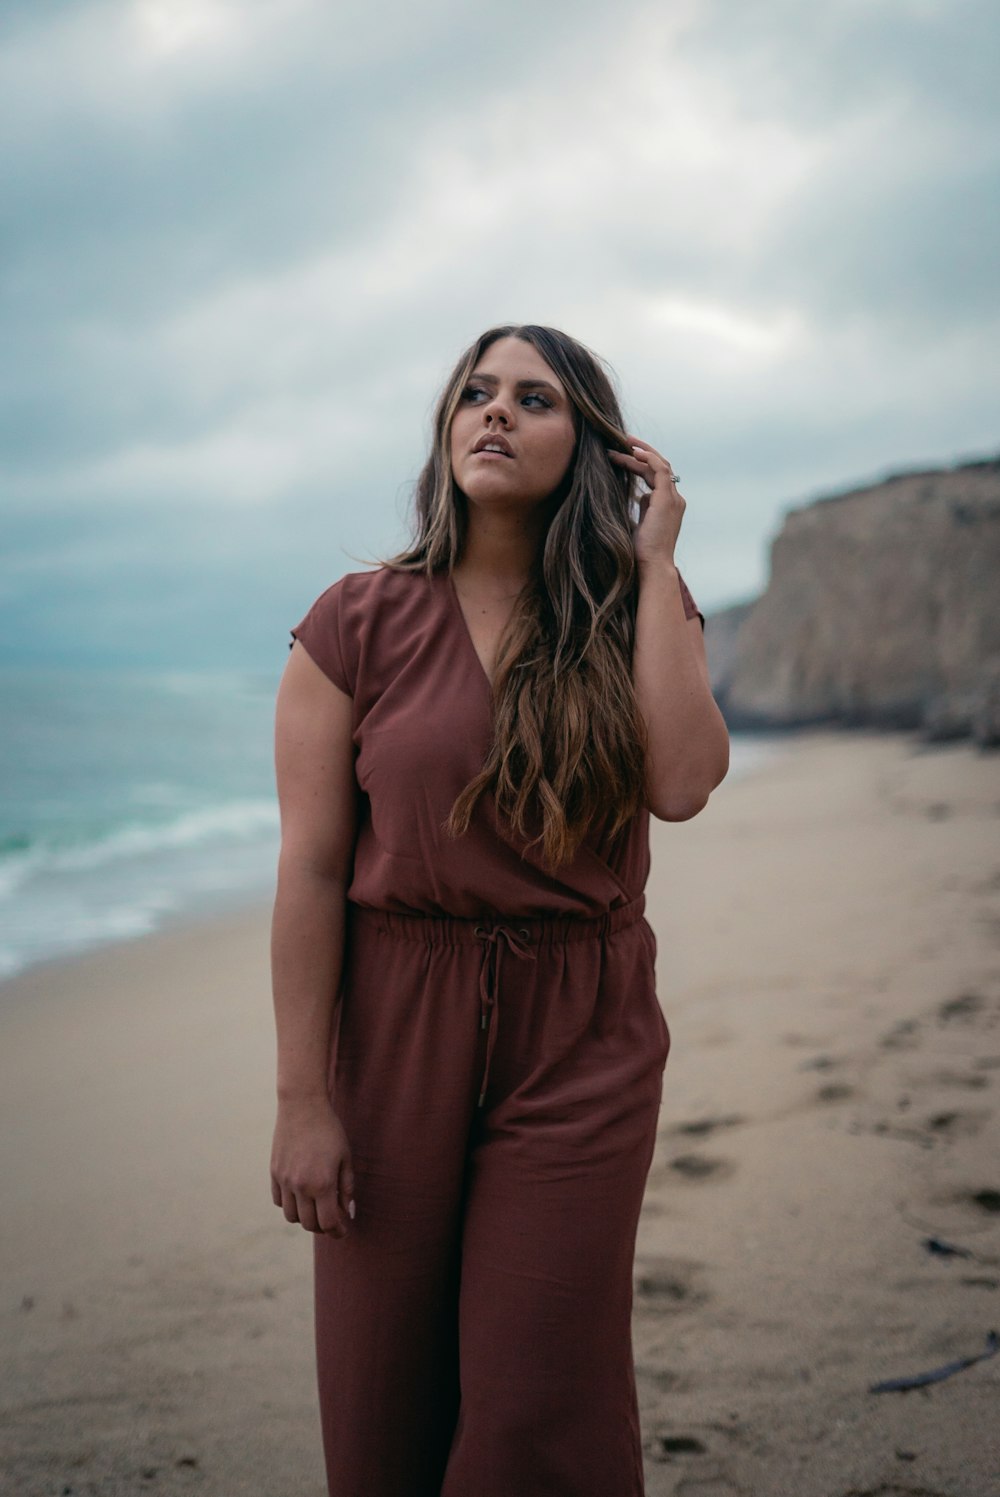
{"type": "Point", "coordinates": [454, 930]}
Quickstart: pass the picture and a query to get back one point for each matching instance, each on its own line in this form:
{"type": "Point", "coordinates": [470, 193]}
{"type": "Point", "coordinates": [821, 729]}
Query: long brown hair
{"type": "Point", "coordinates": [569, 742]}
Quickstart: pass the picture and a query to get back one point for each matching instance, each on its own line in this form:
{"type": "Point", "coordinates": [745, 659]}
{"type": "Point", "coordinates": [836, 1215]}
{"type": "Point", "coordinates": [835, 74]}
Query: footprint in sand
{"type": "Point", "coordinates": [680, 1445]}
{"type": "Point", "coordinates": [835, 1091]}
{"type": "Point", "coordinates": [949, 1212]}
{"type": "Point", "coordinates": [902, 1036]}
{"type": "Point", "coordinates": [700, 1167]}
{"type": "Point", "coordinates": [703, 1127]}
{"type": "Point", "coordinates": [882, 1128]}
{"type": "Point", "coordinates": [957, 1124]}
{"type": "Point", "coordinates": [974, 1081]}
{"type": "Point", "coordinates": [701, 1473]}
{"type": "Point", "coordinates": [962, 1009]}
{"type": "Point", "coordinates": [819, 1063]}
{"type": "Point", "coordinates": [664, 1285]}
{"type": "Point", "coordinates": [663, 1379]}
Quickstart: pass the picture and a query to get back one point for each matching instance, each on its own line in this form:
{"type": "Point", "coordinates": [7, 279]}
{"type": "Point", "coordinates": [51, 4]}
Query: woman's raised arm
{"type": "Point", "coordinates": [688, 739]}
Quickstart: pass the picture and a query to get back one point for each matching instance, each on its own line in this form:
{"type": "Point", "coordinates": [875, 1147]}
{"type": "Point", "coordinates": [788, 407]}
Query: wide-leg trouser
{"type": "Point", "coordinates": [499, 1081]}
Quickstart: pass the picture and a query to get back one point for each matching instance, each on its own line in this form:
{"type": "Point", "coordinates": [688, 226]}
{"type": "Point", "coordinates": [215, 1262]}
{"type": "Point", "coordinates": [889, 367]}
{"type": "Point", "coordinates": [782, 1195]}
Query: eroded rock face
{"type": "Point", "coordinates": [881, 609]}
{"type": "Point", "coordinates": [722, 630]}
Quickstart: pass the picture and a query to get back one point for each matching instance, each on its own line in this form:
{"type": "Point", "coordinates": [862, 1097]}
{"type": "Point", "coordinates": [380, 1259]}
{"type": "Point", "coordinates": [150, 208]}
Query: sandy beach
{"type": "Point", "coordinates": [829, 966]}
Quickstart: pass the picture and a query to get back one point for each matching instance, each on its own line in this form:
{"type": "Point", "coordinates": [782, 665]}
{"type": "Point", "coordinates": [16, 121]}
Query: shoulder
{"type": "Point", "coordinates": [691, 609]}
{"type": "Point", "coordinates": [352, 586]}
{"type": "Point", "coordinates": [357, 594]}
{"type": "Point", "coordinates": [352, 625]}
{"type": "Point", "coordinates": [329, 629]}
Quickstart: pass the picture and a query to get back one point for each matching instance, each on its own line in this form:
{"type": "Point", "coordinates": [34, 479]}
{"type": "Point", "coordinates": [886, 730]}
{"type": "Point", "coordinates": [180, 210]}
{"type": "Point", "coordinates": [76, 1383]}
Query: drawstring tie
{"type": "Point", "coordinates": [489, 980]}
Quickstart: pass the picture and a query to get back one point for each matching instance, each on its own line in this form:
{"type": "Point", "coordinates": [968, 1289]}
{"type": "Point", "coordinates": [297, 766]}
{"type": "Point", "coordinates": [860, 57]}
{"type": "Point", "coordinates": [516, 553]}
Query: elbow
{"type": "Point", "coordinates": [677, 809]}
{"type": "Point", "coordinates": [678, 802]}
{"type": "Point", "coordinates": [318, 868]}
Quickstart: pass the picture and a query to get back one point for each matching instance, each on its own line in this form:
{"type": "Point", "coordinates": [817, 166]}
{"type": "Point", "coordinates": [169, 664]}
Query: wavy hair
{"type": "Point", "coordinates": [569, 745]}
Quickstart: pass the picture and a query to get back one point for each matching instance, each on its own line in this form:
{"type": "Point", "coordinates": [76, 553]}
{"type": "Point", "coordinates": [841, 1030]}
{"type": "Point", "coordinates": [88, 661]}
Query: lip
{"type": "Point", "coordinates": [493, 439]}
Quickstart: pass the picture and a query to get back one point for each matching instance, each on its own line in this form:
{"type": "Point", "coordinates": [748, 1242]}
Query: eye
{"type": "Point", "coordinates": [547, 404]}
{"type": "Point", "coordinates": [471, 394]}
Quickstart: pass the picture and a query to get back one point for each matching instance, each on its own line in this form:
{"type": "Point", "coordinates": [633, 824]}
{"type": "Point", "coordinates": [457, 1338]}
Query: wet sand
{"type": "Point", "coordinates": [829, 965]}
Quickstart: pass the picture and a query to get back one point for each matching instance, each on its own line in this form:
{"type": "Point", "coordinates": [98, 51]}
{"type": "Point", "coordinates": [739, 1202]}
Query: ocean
{"type": "Point", "coordinates": [129, 799]}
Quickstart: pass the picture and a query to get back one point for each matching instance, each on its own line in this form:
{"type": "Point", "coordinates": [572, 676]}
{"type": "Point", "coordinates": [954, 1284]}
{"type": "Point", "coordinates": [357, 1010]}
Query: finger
{"type": "Point", "coordinates": [639, 454]}
{"type": "Point", "coordinates": [635, 464]}
{"type": "Point", "coordinates": [290, 1206]}
{"type": "Point", "coordinates": [645, 453]}
{"type": "Point", "coordinates": [658, 465]}
{"type": "Point", "coordinates": [645, 447]}
{"type": "Point", "coordinates": [654, 469]}
{"type": "Point", "coordinates": [336, 1206]}
{"type": "Point", "coordinates": [307, 1212]}
{"type": "Point", "coordinates": [347, 1186]}
{"type": "Point", "coordinates": [330, 1215]}
{"type": "Point", "coordinates": [652, 456]}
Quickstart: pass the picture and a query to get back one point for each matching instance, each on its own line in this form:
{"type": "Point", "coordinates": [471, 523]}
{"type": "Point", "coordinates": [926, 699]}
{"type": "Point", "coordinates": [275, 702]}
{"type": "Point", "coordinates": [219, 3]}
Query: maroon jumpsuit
{"type": "Point", "coordinates": [497, 1064]}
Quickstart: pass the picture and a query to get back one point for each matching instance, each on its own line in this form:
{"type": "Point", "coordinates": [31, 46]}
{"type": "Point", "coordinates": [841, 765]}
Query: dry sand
{"type": "Point", "coordinates": [829, 964]}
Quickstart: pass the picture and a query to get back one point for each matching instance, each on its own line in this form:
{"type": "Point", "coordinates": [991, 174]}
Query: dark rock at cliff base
{"type": "Point", "coordinates": [880, 610]}
{"type": "Point", "coordinates": [986, 711]}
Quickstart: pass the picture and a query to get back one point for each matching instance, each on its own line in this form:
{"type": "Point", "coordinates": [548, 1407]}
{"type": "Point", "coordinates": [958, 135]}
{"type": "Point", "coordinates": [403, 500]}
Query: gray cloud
{"type": "Point", "coordinates": [243, 244]}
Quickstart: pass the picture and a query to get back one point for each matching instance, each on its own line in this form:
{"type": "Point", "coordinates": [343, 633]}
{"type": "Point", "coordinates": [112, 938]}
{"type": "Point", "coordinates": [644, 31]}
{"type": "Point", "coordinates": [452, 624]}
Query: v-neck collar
{"type": "Point", "coordinates": [455, 604]}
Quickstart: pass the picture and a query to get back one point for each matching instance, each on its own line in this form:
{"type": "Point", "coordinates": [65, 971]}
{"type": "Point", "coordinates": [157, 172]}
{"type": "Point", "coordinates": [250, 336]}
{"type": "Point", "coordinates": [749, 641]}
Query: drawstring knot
{"type": "Point", "coordinates": [489, 980]}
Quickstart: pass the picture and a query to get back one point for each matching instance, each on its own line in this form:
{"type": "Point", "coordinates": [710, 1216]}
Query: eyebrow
{"type": "Point", "coordinates": [522, 384]}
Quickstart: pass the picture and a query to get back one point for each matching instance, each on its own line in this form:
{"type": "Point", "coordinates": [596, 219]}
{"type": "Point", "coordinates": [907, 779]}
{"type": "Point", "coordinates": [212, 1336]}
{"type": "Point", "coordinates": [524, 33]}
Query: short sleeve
{"type": "Point", "coordinates": [321, 632]}
{"type": "Point", "coordinates": [691, 609]}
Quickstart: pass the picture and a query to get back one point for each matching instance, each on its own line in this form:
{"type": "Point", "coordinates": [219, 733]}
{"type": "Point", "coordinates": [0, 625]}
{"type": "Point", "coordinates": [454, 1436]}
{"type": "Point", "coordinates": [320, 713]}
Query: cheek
{"type": "Point", "coordinates": [565, 452]}
{"type": "Point", "coordinates": [455, 444]}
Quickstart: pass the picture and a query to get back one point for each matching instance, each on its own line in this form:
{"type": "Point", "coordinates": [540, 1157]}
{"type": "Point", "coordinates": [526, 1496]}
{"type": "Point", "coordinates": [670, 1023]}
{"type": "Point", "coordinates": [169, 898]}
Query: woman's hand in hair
{"type": "Point", "coordinates": [661, 510]}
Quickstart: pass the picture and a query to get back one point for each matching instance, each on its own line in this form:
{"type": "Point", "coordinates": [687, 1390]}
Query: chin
{"type": "Point", "coordinates": [487, 488]}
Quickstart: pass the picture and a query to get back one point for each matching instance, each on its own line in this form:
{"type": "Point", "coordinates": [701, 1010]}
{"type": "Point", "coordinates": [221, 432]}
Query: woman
{"type": "Point", "coordinates": [470, 740]}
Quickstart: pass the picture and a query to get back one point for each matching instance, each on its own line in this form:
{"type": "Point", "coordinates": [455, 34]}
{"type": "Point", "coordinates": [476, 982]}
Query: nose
{"type": "Point", "coordinates": [497, 411]}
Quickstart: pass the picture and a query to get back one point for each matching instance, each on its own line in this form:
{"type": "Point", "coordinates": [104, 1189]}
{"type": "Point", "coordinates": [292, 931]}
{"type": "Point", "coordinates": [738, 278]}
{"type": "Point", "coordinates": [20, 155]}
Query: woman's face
{"type": "Point", "coordinates": [516, 403]}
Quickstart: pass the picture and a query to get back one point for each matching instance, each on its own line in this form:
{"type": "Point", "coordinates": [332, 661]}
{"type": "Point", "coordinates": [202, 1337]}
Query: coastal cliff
{"type": "Point", "coordinates": [880, 609]}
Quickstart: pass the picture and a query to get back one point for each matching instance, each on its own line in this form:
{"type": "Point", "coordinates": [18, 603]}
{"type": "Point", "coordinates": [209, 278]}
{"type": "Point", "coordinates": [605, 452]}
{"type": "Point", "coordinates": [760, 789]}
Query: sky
{"type": "Point", "coordinates": [244, 241]}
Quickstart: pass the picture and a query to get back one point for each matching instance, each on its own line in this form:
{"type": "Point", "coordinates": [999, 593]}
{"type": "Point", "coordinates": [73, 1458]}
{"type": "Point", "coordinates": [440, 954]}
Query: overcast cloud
{"type": "Point", "coordinates": [244, 242]}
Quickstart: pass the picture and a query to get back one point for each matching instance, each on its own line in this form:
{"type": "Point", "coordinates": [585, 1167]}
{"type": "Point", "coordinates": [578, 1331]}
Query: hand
{"type": "Point", "coordinates": [662, 509]}
{"type": "Point", "coordinates": [312, 1177]}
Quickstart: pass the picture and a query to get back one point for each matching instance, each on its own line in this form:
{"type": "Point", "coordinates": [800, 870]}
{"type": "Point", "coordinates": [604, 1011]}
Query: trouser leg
{"type": "Point", "coordinates": [556, 1182]}
{"type": "Point", "coordinates": [386, 1369]}
{"type": "Point", "coordinates": [386, 1296]}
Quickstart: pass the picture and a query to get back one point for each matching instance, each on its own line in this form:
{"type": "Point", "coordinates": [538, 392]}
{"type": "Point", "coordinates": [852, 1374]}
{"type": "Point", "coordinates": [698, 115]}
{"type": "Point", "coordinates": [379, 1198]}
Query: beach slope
{"type": "Point", "coordinates": [829, 964]}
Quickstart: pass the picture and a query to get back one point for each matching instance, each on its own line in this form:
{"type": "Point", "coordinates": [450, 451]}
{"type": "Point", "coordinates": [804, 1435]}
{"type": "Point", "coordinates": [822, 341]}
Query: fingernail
{"type": "Point", "coordinates": [351, 1209]}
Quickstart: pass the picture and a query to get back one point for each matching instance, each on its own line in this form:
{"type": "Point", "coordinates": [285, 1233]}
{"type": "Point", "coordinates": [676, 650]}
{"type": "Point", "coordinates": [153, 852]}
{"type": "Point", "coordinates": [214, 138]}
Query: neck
{"type": "Point", "coordinates": [500, 549]}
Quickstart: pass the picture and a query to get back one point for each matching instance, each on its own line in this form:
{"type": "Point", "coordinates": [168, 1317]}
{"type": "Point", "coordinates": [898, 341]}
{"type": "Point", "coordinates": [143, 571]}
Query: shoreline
{"type": "Point", "coordinates": [226, 905]}
{"type": "Point", "coordinates": [39, 978]}
{"type": "Point", "coordinates": [828, 962]}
